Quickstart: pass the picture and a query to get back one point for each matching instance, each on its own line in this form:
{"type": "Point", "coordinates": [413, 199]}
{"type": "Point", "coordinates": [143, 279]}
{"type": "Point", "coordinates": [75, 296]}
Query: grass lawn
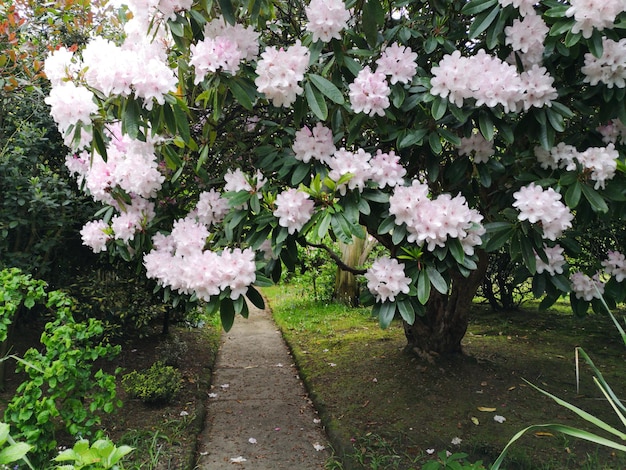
{"type": "Point", "coordinates": [384, 408]}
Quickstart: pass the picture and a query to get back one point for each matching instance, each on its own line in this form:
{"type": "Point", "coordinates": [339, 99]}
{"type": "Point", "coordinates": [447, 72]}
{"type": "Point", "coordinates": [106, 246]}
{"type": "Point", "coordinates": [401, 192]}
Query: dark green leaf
{"type": "Point", "coordinates": [130, 118]}
{"type": "Point", "coordinates": [227, 313]}
{"type": "Point", "coordinates": [572, 195]}
{"type": "Point", "coordinates": [316, 102]}
{"type": "Point", "coordinates": [439, 107]}
{"type": "Point", "coordinates": [423, 287]}
{"type": "Point", "coordinates": [241, 94]}
{"type": "Point", "coordinates": [228, 11]}
{"type": "Point", "coordinates": [476, 6]}
{"type": "Point", "coordinates": [373, 18]}
{"type": "Point", "coordinates": [327, 87]}
{"type": "Point", "coordinates": [407, 312]}
{"type": "Point", "coordinates": [387, 311]}
{"type": "Point", "coordinates": [595, 200]}
{"type": "Point", "coordinates": [413, 137]}
{"type": "Point", "coordinates": [483, 21]}
{"type": "Point", "coordinates": [486, 125]}
{"type": "Point", "coordinates": [182, 124]}
{"type": "Point", "coordinates": [437, 280]}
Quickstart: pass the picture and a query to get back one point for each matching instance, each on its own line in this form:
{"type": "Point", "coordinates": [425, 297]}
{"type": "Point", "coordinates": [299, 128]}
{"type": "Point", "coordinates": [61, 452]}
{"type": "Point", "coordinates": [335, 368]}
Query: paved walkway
{"type": "Point", "coordinates": [258, 414]}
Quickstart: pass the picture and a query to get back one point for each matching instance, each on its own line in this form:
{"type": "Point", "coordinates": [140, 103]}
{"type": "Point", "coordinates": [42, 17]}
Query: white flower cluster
{"type": "Point", "coordinates": [369, 93]}
{"type": "Point", "coordinates": [180, 262]}
{"type": "Point", "coordinates": [293, 209]}
{"type": "Point", "coordinates": [478, 146]}
{"type": "Point", "coordinates": [280, 71]}
{"type": "Point", "coordinates": [544, 206]}
{"type": "Point", "coordinates": [326, 19]}
{"type": "Point", "coordinates": [317, 144]}
{"type": "Point", "coordinates": [525, 7]}
{"type": "Point", "coordinates": [383, 168]}
{"type": "Point", "coordinates": [590, 14]}
{"type": "Point", "coordinates": [224, 46]}
{"type": "Point", "coordinates": [585, 287]}
{"type": "Point", "coordinates": [555, 263]}
{"type": "Point", "coordinates": [433, 221]}
{"type": "Point", "coordinates": [601, 161]}
{"type": "Point", "coordinates": [528, 34]}
{"type": "Point", "coordinates": [386, 279]}
{"type": "Point", "coordinates": [610, 68]}
{"type": "Point", "coordinates": [615, 265]}
{"type": "Point", "coordinates": [491, 82]}
{"type": "Point", "coordinates": [613, 132]}
{"type": "Point", "coordinates": [211, 207]}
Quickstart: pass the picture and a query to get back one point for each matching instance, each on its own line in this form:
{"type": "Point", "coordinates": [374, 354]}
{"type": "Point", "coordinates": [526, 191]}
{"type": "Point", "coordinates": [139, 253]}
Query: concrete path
{"type": "Point", "coordinates": [258, 413]}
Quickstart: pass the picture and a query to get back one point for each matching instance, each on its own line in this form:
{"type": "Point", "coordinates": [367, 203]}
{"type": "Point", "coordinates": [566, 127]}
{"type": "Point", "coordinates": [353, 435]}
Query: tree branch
{"type": "Point", "coordinates": [340, 264]}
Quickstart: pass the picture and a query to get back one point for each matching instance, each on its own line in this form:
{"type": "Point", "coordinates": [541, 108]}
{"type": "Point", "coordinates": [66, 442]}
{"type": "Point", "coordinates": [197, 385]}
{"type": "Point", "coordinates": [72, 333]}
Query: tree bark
{"type": "Point", "coordinates": [444, 324]}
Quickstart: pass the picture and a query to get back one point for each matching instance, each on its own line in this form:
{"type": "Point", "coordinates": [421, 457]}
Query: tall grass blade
{"type": "Point", "coordinates": [570, 431]}
{"type": "Point", "coordinates": [598, 374]}
{"type": "Point", "coordinates": [582, 413]}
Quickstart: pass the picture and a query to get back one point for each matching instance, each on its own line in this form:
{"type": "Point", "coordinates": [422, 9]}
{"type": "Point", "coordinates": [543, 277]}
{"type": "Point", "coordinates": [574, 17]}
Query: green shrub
{"type": "Point", "coordinates": [158, 384]}
{"type": "Point", "coordinates": [62, 391]}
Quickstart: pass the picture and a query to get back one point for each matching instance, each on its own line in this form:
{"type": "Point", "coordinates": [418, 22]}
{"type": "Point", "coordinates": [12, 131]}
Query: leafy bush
{"type": "Point", "coordinates": [172, 351]}
{"type": "Point", "coordinates": [62, 391]}
{"type": "Point", "coordinates": [123, 301]}
{"type": "Point", "coordinates": [158, 384]}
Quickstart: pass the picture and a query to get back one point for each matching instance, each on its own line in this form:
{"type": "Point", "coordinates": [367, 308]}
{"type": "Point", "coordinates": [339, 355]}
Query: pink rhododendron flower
{"type": "Point", "coordinates": [525, 7]}
{"type": "Point", "coordinates": [527, 34]}
{"type": "Point", "coordinates": [544, 206]}
{"type": "Point", "coordinates": [211, 208]}
{"type": "Point", "coordinates": [293, 209]}
{"type": "Point", "coordinates": [369, 93]}
{"type": "Point", "coordinates": [478, 146]}
{"type": "Point", "coordinates": [71, 104]}
{"type": "Point", "coordinates": [357, 164]}
{"type": "Point", "coordinates": [585, 287]}
{"type": "Point", "coordinates": [386, 169]}
{"type": "Point", "coordinates": [487, 79]}
{"type": "Point", "coordinates": [610, 68]}
{"type": "Point", "coordinates": [279, 73]}
{"type": "Point", "coordinates": [59, 66]}
{"type": "Point", "coordinates": [95, 235]}
{"type": "Point", "coordinates": [590, 14]}
{"type": "Point", "coordinates": [386, 279]}
{"type": "Point", "coordinates": [555, 263]}
{"type": "Point", "coordinates": [210, 55]}
{"type": "Point", "coordinates": [244, 37]}
{"type": "Point", "coordinates": [614, 132]}
{"type": "Point", "coordinates": [398, 62]}
{"type": "Point", "coordinates": [615, 265]}
{"type": "Point", "coordinates": [431, 222]}
{"type": "Point", "coordinates": [317, 144]}
{"type": "Point", "coordinates": [326, 19]}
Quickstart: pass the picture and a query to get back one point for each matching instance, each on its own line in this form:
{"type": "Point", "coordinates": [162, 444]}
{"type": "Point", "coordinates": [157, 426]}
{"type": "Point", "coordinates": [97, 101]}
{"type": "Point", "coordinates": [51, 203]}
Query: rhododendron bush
{"type": "Point", "coordinates": [219, 135]}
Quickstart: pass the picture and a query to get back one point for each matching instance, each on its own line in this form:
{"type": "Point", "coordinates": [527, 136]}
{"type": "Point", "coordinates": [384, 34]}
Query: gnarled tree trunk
{"type": "Point", "coordinates": [440, 330]}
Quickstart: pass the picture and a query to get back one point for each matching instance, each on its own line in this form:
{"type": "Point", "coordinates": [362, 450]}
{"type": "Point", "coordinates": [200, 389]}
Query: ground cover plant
{"type": "Point", "coordinates": [387, 409]}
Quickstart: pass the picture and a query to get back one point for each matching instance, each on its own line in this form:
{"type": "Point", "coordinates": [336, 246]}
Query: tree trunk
{"type": "Point", "coordinates": [353, 255]}
{"type": "Point", "coordinates": [440, 330]}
